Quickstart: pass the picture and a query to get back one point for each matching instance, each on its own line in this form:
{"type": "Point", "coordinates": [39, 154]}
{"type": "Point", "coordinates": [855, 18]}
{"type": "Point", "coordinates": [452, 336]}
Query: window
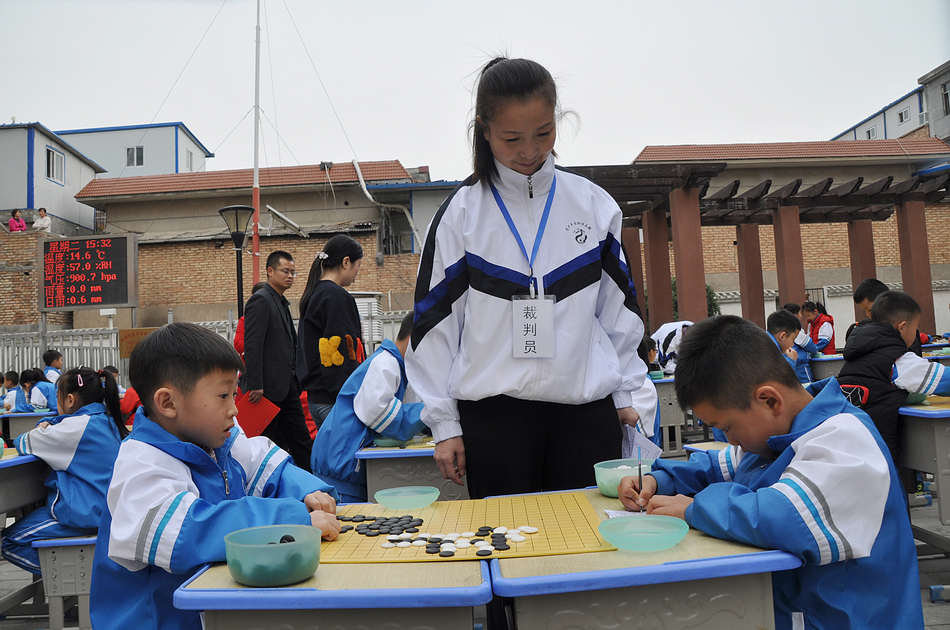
{"type": "Point", "coordinates": [134, 156]}
{"type": "Point", "coordinates": [872, 133]}
{"type": "Point", "coordinates": [945, 97]}
{"type": "Point", "coordinates": [190, 160]}
{"type": "Point", "coordinates": [903, 115]}
{"type": "Point", "coordinates": [55, 165]}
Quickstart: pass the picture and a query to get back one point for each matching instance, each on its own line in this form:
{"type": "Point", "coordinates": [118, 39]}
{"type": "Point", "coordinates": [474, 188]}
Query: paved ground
{"type": "Point", "coordinates": [933, 570]}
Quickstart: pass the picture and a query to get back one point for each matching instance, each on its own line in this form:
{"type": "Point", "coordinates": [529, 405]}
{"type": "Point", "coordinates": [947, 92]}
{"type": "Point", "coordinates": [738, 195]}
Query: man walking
{"type": "Point", "coordinates": [270, 358]}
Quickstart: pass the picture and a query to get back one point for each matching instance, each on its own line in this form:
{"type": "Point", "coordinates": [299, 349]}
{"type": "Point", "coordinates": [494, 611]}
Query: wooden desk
{"type": "Point", "coordinates": [942, 359]}
{"type": "Point", "coordinates": [16, 424]}
{"type": "Point", "coordinates": [365, 596]}
{"type": "Point", "coordinates": [925, 437]}
{"type": "Point", "coordinates": [412, 465]}
{"type": "Point", "coordinates": [702, 582]}
{"type": "Point", "coordinates": [826, 365]}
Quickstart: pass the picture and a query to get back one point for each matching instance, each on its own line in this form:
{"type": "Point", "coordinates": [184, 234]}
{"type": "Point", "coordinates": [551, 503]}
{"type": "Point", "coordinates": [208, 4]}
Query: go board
{"type": "Point", "coordinates": [566, 522]}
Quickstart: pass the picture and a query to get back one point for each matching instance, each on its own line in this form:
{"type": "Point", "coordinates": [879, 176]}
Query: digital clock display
{"type": "Point", "coordinates": [85, 273]}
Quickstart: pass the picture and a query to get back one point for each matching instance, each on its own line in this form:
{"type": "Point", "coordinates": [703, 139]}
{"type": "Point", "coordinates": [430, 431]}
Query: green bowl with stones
{"type": "Point", "coordinates": [257, 557]}
{"type": "Point", "coordinates": [407, 498]}
{"type": "Point", "coordinates": [643, 532]}
{"type": "Point", "coordinates": [609, 473]}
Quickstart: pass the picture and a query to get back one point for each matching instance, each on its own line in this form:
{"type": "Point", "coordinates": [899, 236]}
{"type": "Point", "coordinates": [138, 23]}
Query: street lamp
{"type": "Point", "coordinates": [237, 218]}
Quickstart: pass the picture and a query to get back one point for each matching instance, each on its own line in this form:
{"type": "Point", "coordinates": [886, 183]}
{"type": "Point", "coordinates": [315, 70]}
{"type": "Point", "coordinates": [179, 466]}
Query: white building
{"type": "Point", "coordinates": [134, 150]}
{"type": "Point", "coordinates": [38, 169]}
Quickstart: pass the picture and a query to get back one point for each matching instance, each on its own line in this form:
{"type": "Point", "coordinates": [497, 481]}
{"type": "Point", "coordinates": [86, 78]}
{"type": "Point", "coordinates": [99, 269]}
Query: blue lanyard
{"type": "Point", "coordinates": [514, 230]}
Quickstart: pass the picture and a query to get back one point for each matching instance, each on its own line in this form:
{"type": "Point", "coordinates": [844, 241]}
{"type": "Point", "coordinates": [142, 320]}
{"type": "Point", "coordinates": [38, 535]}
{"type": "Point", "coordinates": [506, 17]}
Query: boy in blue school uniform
{"type": "Point", "coordinates": [806, 472]}
{"type": "Point", "coordinates": [36, 392]}
{"type": "Point", "coordinates": [54, 365]}
{"type": "Point", "coordinates": [783, 328]}
{"type": "Point", "coordinates": [185, 478]}
{"type": "Point", "coordinates": [369, 404]}
{"type": "Point", "coordinates": [804, 346]}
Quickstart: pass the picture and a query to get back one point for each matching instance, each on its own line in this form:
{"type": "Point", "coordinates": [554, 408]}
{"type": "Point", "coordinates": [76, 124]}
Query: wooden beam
{"type": "Point", "coordinates": [847, 188]}
{"type": "Point", "coordinates": [726, 192]}
{"type": "Point", "coordinates": [813, 191]}
{"type": "Point", "coordinates": [751, 286]}
{"type": "Point", "coordinates": [861, 249]}
{"type": "Point", "coordinates": [656, 247]}
{"type": "Point", "coordinates": [876, 187]}
{"type": "Point", "coordinates": [915, 260]}
{"type": "Point", "coordinates": [688, 255]}
{"type": "Point", "coordinates": [757, 191]}
{"type": "Point", "coordinates": [789, 258]}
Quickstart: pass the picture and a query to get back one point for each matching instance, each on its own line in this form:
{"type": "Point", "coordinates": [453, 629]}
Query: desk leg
{"type": "Point", "coordinates": [364, 619]}
{"type": "Point", "coordinates": [743, 601]}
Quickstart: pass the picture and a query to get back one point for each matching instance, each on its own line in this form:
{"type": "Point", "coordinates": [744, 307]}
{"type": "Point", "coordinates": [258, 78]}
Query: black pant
{"type": "Point", "coordinates": [514, 446]}
{"type": "Point", "coordinates": [288, 429]}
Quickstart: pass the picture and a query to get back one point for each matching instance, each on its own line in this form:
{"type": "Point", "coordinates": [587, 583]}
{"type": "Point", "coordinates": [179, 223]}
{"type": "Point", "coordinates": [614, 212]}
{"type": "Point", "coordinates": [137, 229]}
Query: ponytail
{"type": "Point", "coordinates": [94, 386]}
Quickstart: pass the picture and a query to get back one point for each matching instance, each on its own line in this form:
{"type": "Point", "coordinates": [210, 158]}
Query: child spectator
{"type": "Point", "coordinates": [370, 403]}
{"type": "Point", "coordinates": [668, 338]}
{"type": "Point", "coordinates": [185, 478]}
{"type": "Point", "coordinates": [54, 365]}
{"type": "Point", "coordinates": [783, 328]}
{"type": "Point", "coordinates": [80, 447]}
{"type": "Point", "coordinates": [879, 371]}
{"type": "Point", "coordinates": [807, 473]}
{"type": "Point", "coordinates": [16, 222]}
{"type": "Point", "coordinates": [804, 346]}
{"type": "Point", "coordinates": [36, 392]}
{"type": "Point", "coordinates": [114, 371]}
{"type": "Point", "coordinates": [821, 326]}
{"type": "Point", "coordinates": [11, 383]}
{"type": "Point", "coordinates": [864, 295]}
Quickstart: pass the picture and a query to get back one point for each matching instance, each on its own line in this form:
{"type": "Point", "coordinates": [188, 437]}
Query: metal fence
{"type": "Point", "coordinates": [99, 347]}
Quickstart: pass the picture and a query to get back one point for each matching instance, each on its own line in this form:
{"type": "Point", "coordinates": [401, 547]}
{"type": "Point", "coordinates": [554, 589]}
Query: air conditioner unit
{"type": "Point", "coordinates": [923, 117]}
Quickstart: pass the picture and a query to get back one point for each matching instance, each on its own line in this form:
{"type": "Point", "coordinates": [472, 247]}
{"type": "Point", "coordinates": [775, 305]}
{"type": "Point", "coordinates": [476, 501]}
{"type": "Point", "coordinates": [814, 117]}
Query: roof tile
{"type": "Point", "coordinates": [793, 150]}
{"type": "Point", "coordinates": [310, 174]}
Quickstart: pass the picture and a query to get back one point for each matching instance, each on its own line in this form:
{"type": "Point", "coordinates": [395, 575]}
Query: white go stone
{"type": "Point", "coordinates": [393, 538]}
{"type": "Point", "coordinates": [418, 543]}
{"type": "Point", "coordinates": [468, 534]}
{"type": "Point", "coordinates": [405, 535]}
{"type": "Point", "coordinates": [404, 544]}
{"type": "Point", "coordinates": [499, 530]}
{"type": "Point", "coordinates": [387, 545]}
{"type": "Point", "coordinates": [517, 539]}
{"type": "Point", "coordinates": [527, 529]}
{"type": "Point", "coordinates": [480, 543]}
{"type": "Point", "coordinates": [463, 544]}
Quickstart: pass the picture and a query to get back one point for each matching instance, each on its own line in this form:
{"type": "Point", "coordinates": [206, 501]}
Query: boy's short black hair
{"type": "Point", "coordinates": [178, 355]}
{"type": "Point", "coordinates": [868, 289]}
{"type": "Point", "coordinates": [51, 355]}
{"type": "Point", "coordinates": [792, 308]}
{"type": "Point", "coordinates": [12, 376]}
{"type": "Point", "coordinates": [405, 328]}
{"type": "Point", "coordinates": [724, 359]}
{"type": "Point", "coordinates": [647, 345]}
{"type": "Point", "coordinates": [111, 368]}
{"type": "Point", "coordinates": [783, 321]}
{"type": "Point", "coordinates": [272, 261]}
{"type": "Point", "coordinates": [892, 307]}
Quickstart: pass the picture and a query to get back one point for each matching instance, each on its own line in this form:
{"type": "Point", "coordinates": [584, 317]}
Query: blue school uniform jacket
{"type": "Point", "coordinates": [26, 406]}
{"type": "Point", "coordinates": [369, 404]}
{"type": "Point", "coordinates": [170, 504]}
{"type": "Point", "coordinates": [81, 449]}
{"type": "Point", "coordinates": [831, 497]}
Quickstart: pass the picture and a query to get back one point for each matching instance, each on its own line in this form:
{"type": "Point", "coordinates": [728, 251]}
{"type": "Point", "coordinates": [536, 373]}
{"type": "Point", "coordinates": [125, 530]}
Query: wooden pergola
{"type": "Point", "coordinates": [673, 200]}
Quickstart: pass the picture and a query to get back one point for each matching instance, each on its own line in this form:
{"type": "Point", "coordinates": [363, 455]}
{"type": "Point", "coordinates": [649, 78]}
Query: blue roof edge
{"type": "Point", "coordinates": [148, 126]}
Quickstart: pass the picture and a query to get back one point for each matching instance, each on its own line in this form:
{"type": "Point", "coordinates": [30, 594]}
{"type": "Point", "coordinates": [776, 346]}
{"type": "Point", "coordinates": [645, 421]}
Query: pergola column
{"type": "Point", "coordinates": [631, 244]}
{"type": "Point", "coordinates": [915, 260]}
{"type": "Point", "coordinates": [656, 247]}
{"type": "Point", "coordinates": [751, 285]}
{"type": "Point", "coordinates": [863, 265]}
{"type": "Point", "coordinates": [688, 254]}
{"type": "Point", "coordinates": [789, 259]}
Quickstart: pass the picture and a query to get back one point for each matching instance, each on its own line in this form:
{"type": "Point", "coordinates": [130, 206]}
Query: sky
{"type": "Point", "coordinates": [384, 80]}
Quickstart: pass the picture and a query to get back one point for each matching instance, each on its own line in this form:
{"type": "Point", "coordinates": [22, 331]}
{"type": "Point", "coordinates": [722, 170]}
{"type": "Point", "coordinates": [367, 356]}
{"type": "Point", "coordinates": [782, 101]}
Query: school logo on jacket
{"type": "Point", "coordinates": [579, 229]}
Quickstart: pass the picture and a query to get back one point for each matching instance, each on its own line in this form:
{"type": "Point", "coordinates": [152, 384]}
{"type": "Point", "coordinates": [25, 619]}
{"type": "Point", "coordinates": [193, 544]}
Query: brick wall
{"type": "Point", "coordinates": [18, 283]}
{"type": "Point", "coordinates": [825, 246]}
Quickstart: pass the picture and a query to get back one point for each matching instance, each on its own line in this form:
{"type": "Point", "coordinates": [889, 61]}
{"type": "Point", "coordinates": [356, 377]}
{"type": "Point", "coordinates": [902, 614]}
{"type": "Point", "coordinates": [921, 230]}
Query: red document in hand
{"type": "Point", "coordinates": [254, 418]}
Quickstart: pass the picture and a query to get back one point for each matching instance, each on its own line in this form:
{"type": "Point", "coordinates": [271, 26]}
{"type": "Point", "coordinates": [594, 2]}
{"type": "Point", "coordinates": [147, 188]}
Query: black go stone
{"type": "Point", "coordinates": [359, 518]}
{"type": "Point", "coordinates": [344, 518]}
{"type": "Point", "coordinates": [501, 547]}
{"type": "Point", "coordinates": [433, 550]}
{"type": "Point", "coordinates": [413, 530]}
{"type": "Point", "coordinates": [372, 532]}
{"type": "Point", "coordinates": [446, 554]}
{"type": "Point", "coordinates": [483, 552]}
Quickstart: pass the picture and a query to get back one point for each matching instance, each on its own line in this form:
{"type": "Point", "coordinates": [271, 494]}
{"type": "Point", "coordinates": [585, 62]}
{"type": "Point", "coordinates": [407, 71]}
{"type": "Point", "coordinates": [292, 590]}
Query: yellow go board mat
{"type": "Point", "coordinates": [566, 522]}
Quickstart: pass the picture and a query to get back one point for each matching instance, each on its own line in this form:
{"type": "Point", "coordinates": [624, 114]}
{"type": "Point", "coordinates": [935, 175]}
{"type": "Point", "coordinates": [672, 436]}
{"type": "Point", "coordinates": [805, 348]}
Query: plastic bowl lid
{"type": "Point", "coordinates": [407, 497]}
{"type": "Point", "coordinates": [643, 532]}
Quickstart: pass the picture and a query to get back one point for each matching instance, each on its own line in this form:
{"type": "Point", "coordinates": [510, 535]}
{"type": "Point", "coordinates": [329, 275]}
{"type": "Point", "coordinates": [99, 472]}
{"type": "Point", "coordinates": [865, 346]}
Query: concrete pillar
{"type": "Point", "coordinates": [631, 244]}
{"type": "Point", "coordinates": [915, 260]}
{"type": "Point", "coordinates": [789, 259]}
{"type": "Point", "coordinates": [656, 247]}
{"type": "Point", "coordinates": [751, 287]}
{"type": "Point", "coordinates": [688, 254]}
{"type": "Point", "coordinates": [863, 265]}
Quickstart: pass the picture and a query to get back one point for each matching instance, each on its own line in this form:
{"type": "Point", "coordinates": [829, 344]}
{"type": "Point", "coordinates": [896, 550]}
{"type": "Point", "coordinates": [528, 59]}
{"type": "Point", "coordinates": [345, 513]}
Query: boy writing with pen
{"type": "Point", "coordinates": [806, 472]}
